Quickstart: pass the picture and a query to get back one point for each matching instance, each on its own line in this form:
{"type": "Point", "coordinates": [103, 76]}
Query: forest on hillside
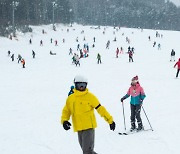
{"type": "Point", "coordinates": [149, 14]}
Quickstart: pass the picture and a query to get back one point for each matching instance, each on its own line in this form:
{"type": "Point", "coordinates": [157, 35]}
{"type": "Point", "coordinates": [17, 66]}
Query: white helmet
{"type": "Point", "coordinates": [79, 78]}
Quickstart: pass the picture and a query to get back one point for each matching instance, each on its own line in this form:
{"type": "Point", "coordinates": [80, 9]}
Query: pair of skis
{"type": "Point", "coordinates": [133, 131]}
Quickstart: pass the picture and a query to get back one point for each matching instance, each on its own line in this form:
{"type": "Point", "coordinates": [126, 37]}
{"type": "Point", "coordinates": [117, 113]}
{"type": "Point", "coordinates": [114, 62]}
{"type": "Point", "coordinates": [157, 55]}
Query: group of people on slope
{"type": "Point", "coordinates": [81, 103]}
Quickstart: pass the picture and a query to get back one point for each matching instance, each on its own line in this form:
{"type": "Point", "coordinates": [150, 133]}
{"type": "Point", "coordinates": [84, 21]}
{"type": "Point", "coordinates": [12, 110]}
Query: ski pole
{"type": "Point", "coordinates": [147, 118]}
{"type": "Point", "coordinates": [124, 117]}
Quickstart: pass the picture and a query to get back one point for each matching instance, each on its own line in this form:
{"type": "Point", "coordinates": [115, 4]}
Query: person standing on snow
{"type": "Point", "coordinates": [30, 41]}
{"type": "Point", "coordinates": [77, 60]}
{"type": "Point", "coordinates": [23, 63]}
{"type": "Point", "coordinates": [80, 106]}
{"type": "Point", "coordinates": [117, 52]}
{"type": "Point", "coordinates": [33, 54]}
{"type": "Point", "coordinates": [19, 58]}
{"type": "Point", "coordinates": [9, 52]}
{"type": "Point", "coordinates": [12, 57]}
{"type": "Point", "coordinates": [130, 53]}
{"type": "Point", "coordinates": [137, 96]}
{"type": "Point", "coordinates": [178, 69]}
{"type": "Point", "coordinates": [172, 55]}
{"type": "Point", "coordinates": [99, 58]}
{"type": "Point", "coordinates": [41, 43]}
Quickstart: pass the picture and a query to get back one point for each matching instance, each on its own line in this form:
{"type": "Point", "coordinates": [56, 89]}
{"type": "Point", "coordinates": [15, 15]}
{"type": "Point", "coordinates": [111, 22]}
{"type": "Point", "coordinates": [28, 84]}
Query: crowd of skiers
{"type": "Point", "coordinates": [20, 59]}
{"type": "Point", "coordinates": [82, 112]}
{"type": "Point", "coordinates": [83, 50]}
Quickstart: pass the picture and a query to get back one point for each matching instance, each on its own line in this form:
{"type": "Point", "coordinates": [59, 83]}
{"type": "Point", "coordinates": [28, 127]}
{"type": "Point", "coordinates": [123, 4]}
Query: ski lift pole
{"type": "Point", "coordinates": [147, 118]}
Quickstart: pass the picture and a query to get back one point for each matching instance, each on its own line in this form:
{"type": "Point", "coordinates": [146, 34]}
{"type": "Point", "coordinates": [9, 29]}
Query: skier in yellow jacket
{"type": "Point", "coordinates": [80, 106]}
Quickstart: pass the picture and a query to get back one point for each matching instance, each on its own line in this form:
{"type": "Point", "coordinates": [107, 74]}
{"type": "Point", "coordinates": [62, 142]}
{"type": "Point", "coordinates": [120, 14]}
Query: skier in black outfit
{"type": "Point", "coordinates": [130, 56]}
{"type": "Point", "coordinates": [33, 54]}
{"type": "Point", "coordinates": [99, 58]}
{"type": "Point", "coordinates": [19, 58]}
{"type": "Point", "coordinates": [172, 55]}
{"type": "Point", "coordinates": [9, 53]}
{"type": "Point", "coordinates": [12, 57]}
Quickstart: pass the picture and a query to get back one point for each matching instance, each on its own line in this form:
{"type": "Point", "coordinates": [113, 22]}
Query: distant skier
{"type": "Point", "coordinates": [154, 44]}
{"type": "Point", "coordinates": [178, 67]}
{"type": "Point", "coordinates": [19, 58]}
{"type": "Point", "coordinates": [132, 49]}
{"type": "Point", "coordinates": [94, 39]}
{"type": "Point", "coordinates": [52, 53]}
{"type": "Point", "coordinates": [84, 39]}
{"type": "Point", "coordinates": [70, 51]}
{"type": "Point", "coordinates": [99, 58]}
{"type": "Point", "coordinates": [137, 96]}
{"type": "Point", "coordinates": [56, 43]}
{"type": "Point", "coordinates": [117, 52]}
{"type": "Point", "coordinates": [74, 59]}
{"type": "Point", "coordinates": [81, 53]}
{"type": "Point", "coordinates": [63, 40]}
{"type": "Point", "coordinates": [121, 50]}
{"type": "Point", "coordinates": [9, 53]}
{"type": "Point", "coordinates": [77, 39]}
{"type": "Point", "coordinates": [107, 44]}
{"type": "Point", "coordinates": [129, 48]}
{"type": "Point", "coordinates": [115, 39]}
{"type": "Point", "coordinates": [130, 53]}
{"type": "Point", "coordinates": [41, 43]}
{"type": "Point", "coordinates": [77, 61]}
{"type": "Point", "coordinates": [78, 47]}
{"type": "Point", "coordinates": [87, 47]}
{"type": "Point", "coordinates": [30, 41]}
{"type": "Point", "coordinates": [172, 55]}
{"type": "Point", "coordinates": [12, 57]}
{"type": "Point", "coordinates": [33, 54]}
{"type": "Point", "coordinates": [23, 63]}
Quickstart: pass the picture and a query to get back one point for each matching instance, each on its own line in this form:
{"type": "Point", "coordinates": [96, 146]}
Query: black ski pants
{"type": "Point", "coordinates": [135, 114]}
{"type": "Point", "coordinates": [177, 73]}
{"type": "Point", "coordinates": [99, 61]}
{"type": "Point", "coordinates": [131, 59]}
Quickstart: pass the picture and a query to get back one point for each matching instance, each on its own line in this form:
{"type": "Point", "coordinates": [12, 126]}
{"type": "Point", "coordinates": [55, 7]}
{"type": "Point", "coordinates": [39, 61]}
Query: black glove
{"type": "Point", "coordinates": [66, 125]}
{"type": "Point", "coordinates": [122, 99]}
{"type": "Point", "coordinates": [112, 126]}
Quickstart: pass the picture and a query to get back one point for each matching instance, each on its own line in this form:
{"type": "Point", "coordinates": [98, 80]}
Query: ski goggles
{"type": "Point", "coordinates": [80, 86]}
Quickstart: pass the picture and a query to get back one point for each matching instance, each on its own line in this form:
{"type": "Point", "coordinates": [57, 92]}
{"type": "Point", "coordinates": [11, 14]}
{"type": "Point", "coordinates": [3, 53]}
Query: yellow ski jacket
{"type": "Point", "coordinates": [81, 105]}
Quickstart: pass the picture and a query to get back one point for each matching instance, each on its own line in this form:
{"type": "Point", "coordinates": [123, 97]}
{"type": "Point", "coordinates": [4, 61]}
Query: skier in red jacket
{"type": "Point", "coordinates": [178, 68]}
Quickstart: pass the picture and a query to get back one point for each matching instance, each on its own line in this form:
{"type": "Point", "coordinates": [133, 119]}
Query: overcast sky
{"type": "Point", "coordinates": [177, 2]}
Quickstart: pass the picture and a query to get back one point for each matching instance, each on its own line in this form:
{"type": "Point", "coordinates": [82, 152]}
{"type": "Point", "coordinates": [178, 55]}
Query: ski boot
{"type": "Point", "coordinates": [133, 127]}
{"type": "Point", "coordinates": [140, 127]}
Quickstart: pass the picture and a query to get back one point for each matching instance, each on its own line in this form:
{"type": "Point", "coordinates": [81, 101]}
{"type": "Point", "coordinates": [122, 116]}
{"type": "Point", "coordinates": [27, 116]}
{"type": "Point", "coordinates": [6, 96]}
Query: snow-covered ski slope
{"type": "Point", "coordinates": [32, 98]}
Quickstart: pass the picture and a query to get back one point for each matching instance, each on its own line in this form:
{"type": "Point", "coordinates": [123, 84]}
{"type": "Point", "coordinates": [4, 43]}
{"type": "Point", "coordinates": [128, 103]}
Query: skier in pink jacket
{"type": "Point", "coordinates": [137, 96]}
